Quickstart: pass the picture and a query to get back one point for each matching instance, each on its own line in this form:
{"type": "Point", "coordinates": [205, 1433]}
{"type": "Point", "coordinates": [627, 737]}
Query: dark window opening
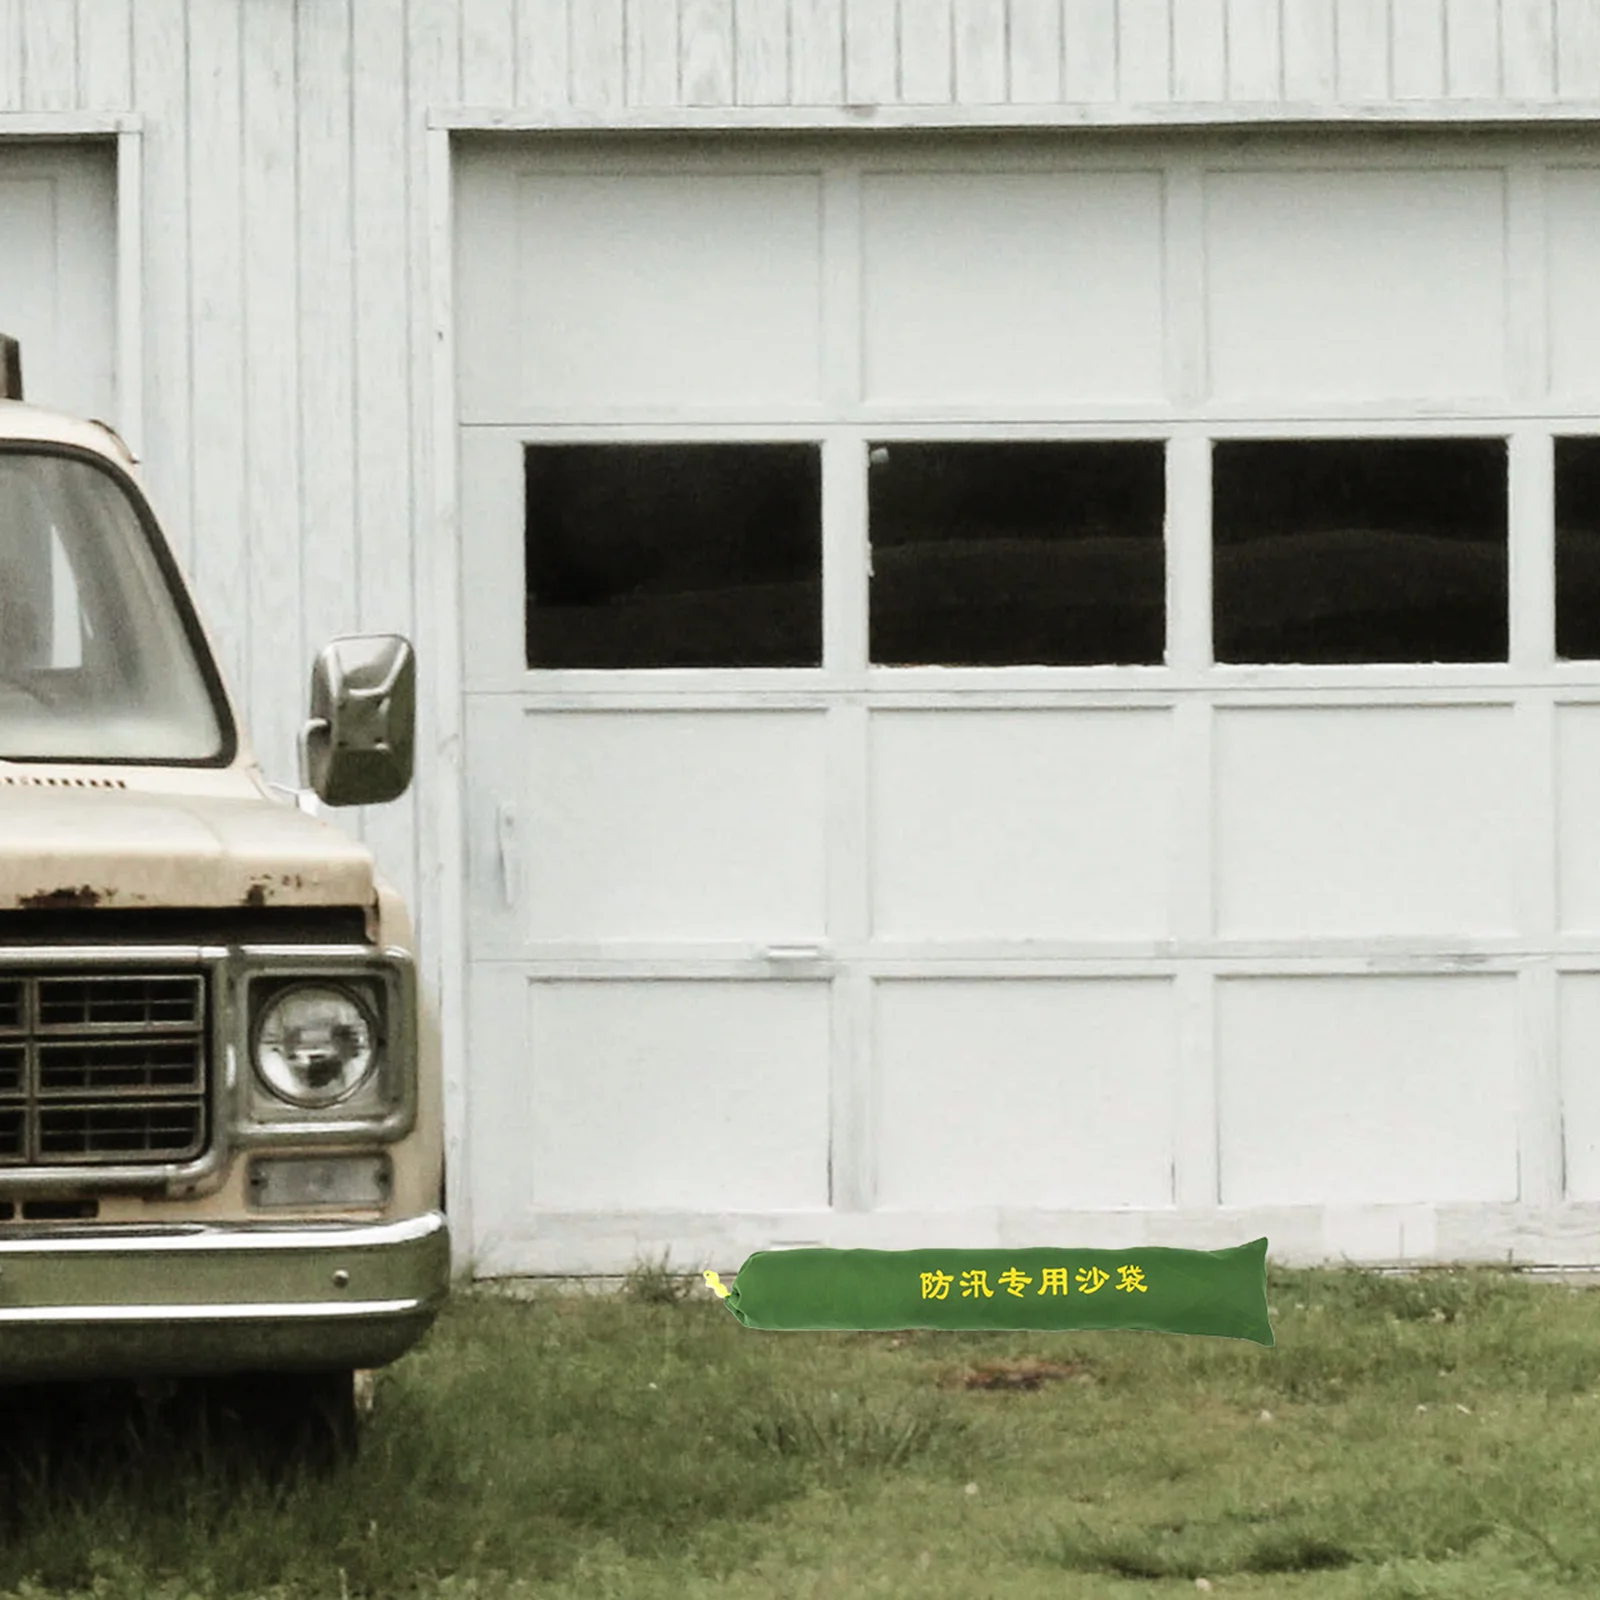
{"type": "Point", "coordinates": [1359, 550]}
{"type": "Point", "coordinates": [1018, 553]}
{"type": "Point", "coordinates": [1578, 549]}
{"type": "Point", "coordinates": [673, 555]}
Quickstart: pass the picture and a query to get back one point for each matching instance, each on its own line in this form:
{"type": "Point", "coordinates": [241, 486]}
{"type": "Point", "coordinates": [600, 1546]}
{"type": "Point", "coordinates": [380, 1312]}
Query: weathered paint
{"type": "Point", "coordinates": [77, 849]}
{"type": "Point", "coordinates": [292, 240]}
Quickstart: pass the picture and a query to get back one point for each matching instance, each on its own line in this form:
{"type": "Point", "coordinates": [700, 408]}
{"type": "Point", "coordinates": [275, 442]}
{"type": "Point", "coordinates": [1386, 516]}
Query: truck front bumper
{"type": "Point", "coordinates": [180, 1299]}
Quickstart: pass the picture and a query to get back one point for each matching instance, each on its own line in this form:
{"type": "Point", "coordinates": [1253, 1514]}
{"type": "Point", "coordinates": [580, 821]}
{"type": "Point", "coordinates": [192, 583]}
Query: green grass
{"type": "Point", "coordinates": [1436, 1436]}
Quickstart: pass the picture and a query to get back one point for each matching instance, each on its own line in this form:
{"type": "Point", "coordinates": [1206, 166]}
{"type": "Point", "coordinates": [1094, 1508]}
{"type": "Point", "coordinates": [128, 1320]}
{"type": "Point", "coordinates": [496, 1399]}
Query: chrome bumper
{"type": "Point", "coordinates": [99, 1302]}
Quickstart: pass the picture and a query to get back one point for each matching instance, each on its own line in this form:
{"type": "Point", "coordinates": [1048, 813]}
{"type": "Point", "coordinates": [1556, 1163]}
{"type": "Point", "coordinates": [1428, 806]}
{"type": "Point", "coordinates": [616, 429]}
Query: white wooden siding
{"type": "Point", "coordinates": [281, 146]}
{"type": "Point", "coordinates": [1138, 56]}
{"type": "Point", "coordinates": [285, 240]}
{"type": "Point", "coordinates": [287, 404]}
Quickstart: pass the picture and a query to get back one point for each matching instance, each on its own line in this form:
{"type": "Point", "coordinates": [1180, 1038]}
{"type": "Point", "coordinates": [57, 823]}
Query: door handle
{"type": "Point", "coordinates": [505, 837]}
{"type": "Point", "coordinates": [795, 950]}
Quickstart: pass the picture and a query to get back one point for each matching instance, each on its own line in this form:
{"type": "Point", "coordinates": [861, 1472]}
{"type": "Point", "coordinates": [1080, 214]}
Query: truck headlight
{"type": "Point", "coordinates": [314, 1045]}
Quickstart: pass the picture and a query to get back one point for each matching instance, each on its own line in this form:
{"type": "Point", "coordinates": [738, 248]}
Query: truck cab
{"type": "Point", "coordinates": [220, 1114]}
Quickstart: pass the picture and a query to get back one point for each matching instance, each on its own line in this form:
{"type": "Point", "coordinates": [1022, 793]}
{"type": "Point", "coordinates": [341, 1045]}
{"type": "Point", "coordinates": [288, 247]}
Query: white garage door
{"type": "Point", "coordinates": [1031, 693]}
{"type": "Point", "coordinates": [58, 272]}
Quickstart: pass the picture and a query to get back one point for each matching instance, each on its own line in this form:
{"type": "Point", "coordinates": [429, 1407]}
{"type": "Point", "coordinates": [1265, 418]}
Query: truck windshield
{"type": "Point", "coordinates": [95, 661]}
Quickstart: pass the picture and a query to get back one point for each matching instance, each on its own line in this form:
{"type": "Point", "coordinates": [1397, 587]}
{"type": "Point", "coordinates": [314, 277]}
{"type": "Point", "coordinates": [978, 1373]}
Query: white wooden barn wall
{"type": "Point", "coordinates": [287, 386]}
{"type": "Point", "coordinates": [607, 55]}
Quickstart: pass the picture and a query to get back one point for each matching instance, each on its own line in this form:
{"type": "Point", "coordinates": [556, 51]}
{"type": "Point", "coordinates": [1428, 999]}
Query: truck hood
{"type": "Point", "coordinates": [63, 847]}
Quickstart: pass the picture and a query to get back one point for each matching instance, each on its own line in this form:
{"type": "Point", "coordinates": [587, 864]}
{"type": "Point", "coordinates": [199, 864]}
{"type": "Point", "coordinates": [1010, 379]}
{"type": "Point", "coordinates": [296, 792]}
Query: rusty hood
{"type": "Point", "coordinates": [62, 846]}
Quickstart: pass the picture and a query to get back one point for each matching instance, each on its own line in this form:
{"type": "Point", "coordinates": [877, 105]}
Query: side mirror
{"type": "Point", "coordinates": [358, 747]}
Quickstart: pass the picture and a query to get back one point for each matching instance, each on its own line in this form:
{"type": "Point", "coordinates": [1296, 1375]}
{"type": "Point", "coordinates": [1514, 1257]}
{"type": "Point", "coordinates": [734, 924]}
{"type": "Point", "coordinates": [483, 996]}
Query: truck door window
{"type": "Point", "coordinates": [95, 660]}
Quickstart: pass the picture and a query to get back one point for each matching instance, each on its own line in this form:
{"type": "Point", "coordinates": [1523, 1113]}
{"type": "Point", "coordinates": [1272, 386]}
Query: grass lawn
{"type": "Point", "coordinates": [1409, 1437]}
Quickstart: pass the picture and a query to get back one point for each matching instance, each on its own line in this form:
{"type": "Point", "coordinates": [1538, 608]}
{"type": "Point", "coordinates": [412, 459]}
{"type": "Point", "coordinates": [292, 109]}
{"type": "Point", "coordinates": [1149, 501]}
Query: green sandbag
{"type": "Point", "coordinates": [1219, 1292]}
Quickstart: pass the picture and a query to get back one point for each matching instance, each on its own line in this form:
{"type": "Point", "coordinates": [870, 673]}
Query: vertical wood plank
{"type": "Point", "coordinates": [1035, 67]}
{"type": "Point", "coordinates": [1199, 51]}
{"type": "Point", "coordinates": [381, 180]}
{"type": "Point", "coordinates": [1527, 276]}
{"type": "Point", "coordinates": [1528, 42]}
{"type": "Point", "coordinates": [1089, 50]}
{"type": "Point", "coordinates": [488, 52]}
{"type": "Point", "coordinates": [105, 55]}
{"type": "Point", "coordinates": [1363, 45]}
{"type": "Point", "coordinates": [1189, 649]}
{"type": "Point", "coordinates": [128, 415]}
{"type": "Point", "coordinates": [1537, 809]}
{"type": "Point", "coordinates": [432, 60]}
{"type": "Point", "coordinates": [981, 53]}
{"type": "Point", "coordinates": [843, 295]}
{"type": "Point", "coordinates": [1472, 49]}
{"type": "Point", "coordinates": [11, 55]}
{"type": "Point", "coordinates": [1188, 534]}
{"type": "Point", "coordinates": [846, 562]}
{"type": "Point", "coordinates": [437, 576]}
{"type": "Point", "coordinates": [1531, 507]}
{"type": "Point", "coordinates": [761, 52]}
{"type": "Point", "coordinates": [652, 47]}
{"type": "Point", "coordinates": [816, 45]}
{"type": "Point", "coordinates": [216, 315]}
{"type": "Point", "coordinates": [1541, 1145]}
{"type": "Point", "coordinates": [927, 52]}
{"type": "Point", "coordinates": [1183, 315]}
{"type": "Point", "coordinates": [1537, 827]}
{"type": "Point", "coordinates": [1309, 51]}
{"type": "Point", "coordinates": [1144, 52]}
{"type": "Point", "coordinates": [543, 75]}
{"type": "Point", "coordinates": [407, 61]}
{"type": "Point", "coordinates": [1578, 49]}
{"type": "Point", "coordinates": [705, 62]}
{"type": "Point", "coordinates": [328, 354]}
{"type": "Point", "coordinates": [871, 64]}
{"type": "Point", "coordinates": [161, 90]}
{"type": "Point", "coordinates": [393, 84]}
{"type": "Point", "coordinates": [1419, 51]}
{"type": "Point", "coordinates": [271, 383]}
{"type": "Point", "coordinates": [852, 1168]}
{"type": "Point", "coordinates": [49, 55]}
{"type": "Point", "coordinates": [1255, 50]}
{"type": "Point", "coordinates": [599, 56]}
{"type": "Point", "coordinates": [1196, 1177]}
{"type": "Point", "coordinates": [852, 1176]}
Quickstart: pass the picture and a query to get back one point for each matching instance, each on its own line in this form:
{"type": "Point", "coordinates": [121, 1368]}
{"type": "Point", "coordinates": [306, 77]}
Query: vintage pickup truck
{"type": "Point", "coordinates": [220, 1113]}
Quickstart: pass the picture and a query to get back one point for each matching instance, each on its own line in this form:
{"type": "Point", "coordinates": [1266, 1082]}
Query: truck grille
{"type": "Point", "coordinates": [101, 1069]}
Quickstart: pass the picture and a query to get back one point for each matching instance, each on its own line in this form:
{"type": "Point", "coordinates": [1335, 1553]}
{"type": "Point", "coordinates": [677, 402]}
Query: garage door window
{"type": "Point", "coordinates": [1359, 550]}
{"type": "Point", "coordinates": [673, 555]}
{"type": "Point", "coordinates": [1578, 549]}
{"type": "Point", "coordinates": [1014, 553]}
